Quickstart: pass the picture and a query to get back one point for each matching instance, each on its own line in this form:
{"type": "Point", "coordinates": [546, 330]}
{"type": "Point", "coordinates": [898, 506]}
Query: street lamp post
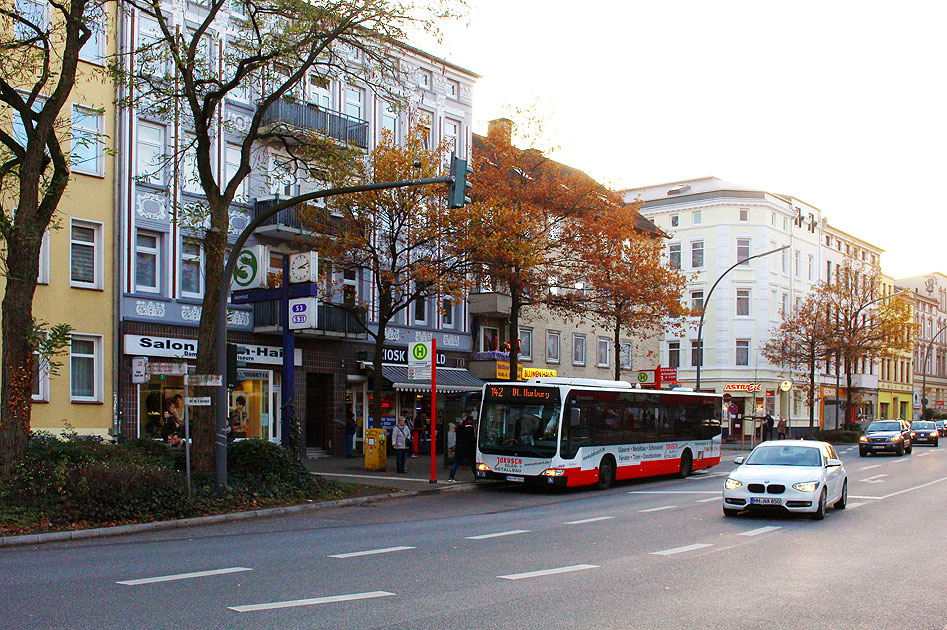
{"type": "Point", "coordinates": [703, 310]}
{"type": "Point", "coordinates": [927, 355]}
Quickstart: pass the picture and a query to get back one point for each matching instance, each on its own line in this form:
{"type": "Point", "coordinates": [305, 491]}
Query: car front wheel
{"type": "Point", "coordinates": [820, 511]}
{"type": "Point", "coordinates": [862, 452]}
{"type": "Point", "coordinates": [900, 450]}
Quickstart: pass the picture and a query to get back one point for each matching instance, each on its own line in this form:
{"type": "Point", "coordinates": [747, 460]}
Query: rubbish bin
{"type": "Point", "coordinates": [376, 449]}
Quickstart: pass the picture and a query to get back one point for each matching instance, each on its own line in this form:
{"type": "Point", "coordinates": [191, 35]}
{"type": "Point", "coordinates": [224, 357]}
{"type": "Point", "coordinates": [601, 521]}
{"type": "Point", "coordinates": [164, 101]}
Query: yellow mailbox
{"type": "Point", "coordinates": [376, 449]}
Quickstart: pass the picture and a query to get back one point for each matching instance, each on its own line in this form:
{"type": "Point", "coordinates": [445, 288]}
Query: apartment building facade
{"type": "Point", "coordinates": [930, 348]}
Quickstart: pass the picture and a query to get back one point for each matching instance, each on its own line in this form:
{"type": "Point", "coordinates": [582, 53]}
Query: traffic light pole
{"type": "Point", "coordinates": [220, 406]}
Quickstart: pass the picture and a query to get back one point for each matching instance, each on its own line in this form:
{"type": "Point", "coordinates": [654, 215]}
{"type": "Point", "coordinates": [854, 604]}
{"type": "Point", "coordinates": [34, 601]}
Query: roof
{"type": "Point", "coordinates": [448, 380]}
{"type": "Point", "coordinates": [687, 188]}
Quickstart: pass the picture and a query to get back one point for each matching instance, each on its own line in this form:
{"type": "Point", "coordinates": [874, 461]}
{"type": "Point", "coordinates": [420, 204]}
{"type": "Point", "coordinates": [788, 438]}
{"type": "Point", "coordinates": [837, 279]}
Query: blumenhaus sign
{"type": "Point", "coordinates": [153, 346]}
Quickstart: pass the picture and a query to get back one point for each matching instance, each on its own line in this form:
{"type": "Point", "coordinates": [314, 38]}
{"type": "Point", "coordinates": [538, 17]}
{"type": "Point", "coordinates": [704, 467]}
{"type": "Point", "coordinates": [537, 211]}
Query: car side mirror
{"type": "Point", "coordinates": [739, 460]}
{"type": "Point", "coordinates": [833, 462]}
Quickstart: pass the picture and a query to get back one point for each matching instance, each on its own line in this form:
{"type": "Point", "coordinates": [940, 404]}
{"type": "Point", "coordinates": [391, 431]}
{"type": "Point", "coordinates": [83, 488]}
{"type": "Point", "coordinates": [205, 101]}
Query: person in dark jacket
{"type": "Point", "coordinates": [768, 424]}
{"type": "Point", "coordinates": [466, 443]}
{"type": "Point", "coordinates": [350, 430]}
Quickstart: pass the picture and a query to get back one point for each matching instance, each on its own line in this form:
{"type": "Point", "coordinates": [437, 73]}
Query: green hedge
{"type": "Point", "coordinates": [838, 436]}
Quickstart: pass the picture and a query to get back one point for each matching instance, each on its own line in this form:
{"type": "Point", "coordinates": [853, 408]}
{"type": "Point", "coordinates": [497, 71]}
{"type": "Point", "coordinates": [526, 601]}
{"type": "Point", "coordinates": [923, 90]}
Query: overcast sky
{"type": "Point", "coordinates": [841, 104]}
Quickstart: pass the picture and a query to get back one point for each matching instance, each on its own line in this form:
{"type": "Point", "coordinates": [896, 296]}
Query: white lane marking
{"type": "Point", "coordinates": [512, 532]}
{"type": "Point", "coordinates": [868, 467]}
{"type": "Point", "coordinates": [674, 492]}
{"type": "Point", "coordinates": [532, 574]}
{"type": "Point", "coordinates": [855, 505]}
{"type": "Point", "coordinates": [874, 477]}
{"type": "Point", "coordinates": [708, 500]}
{"type": "Point", "coordinates": [848, 450]}
{"type": "Point", "coordinates": [760, 530]}
{"type": "Point", "coordinates": [588, 520]}
{"type": "Point", "coordinates": [183, 576]}
{"type": "Point", "coordinates": [707, 476]}
{"type": "Point", "coordinates": [900, 461]}
{"type": "Point", "coordinates": [922, 455]}
{"type": "Point", "coordinates": [855, 496]}
{"type": "Point", "coordinates": [370, 552]}
{"type": "Point", "coordinates": [923, 485]}
{"type": "Point", "coordinates": [311, 602]}
{"type": "Point", "coordinates": [658, 509]}
{"type": "Point", "coordinates": [671, 552]}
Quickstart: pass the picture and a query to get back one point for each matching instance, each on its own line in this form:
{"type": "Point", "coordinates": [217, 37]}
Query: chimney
{"type": "Point", "coordinates": [500, 131]}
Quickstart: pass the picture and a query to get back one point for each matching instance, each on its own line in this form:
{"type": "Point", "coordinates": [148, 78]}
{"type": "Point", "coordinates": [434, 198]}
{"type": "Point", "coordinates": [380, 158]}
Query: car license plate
{"type": "Point", "coordinates": [515, 478]}
{"type": "Point", "coordinates": [765, 501]}
{"type": "Point", "coordinates": [877, 448]}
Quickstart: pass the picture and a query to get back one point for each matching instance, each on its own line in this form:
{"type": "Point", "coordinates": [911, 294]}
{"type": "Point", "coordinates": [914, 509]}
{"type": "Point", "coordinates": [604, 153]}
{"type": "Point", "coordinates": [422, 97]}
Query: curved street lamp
{"type": "Point", "coordinates": [927, 356]}
{"type": "Point", "coordinates": [703, 310]}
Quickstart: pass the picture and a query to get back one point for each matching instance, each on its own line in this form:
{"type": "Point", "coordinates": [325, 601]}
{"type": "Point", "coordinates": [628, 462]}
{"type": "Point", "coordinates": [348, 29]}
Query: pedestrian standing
{"type": "Point", "coordinates": [781, 428]}
{"type": "Point", "coordinates": [415, 432]}
{"type": "Point", "coordinates": [401, 441]}
{"type": "Point", "coordinates": [466, 443]}
{"type": "Point", "coordinates": [768, 427]}
{"type": "Point", "coordinates": [350, 430]}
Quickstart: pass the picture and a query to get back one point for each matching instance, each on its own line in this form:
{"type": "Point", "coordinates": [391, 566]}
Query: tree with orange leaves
{"type": "Point", "coordinates": [617, 277]}
{"type": "Point", "coordinates": [519, 224]}
{"type": "Point", "coordinates": [407, 239]}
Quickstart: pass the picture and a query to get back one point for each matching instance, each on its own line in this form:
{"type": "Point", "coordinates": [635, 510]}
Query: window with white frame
{"type": "Point", "coordinates": [697, 254]}
{"type": "Point", "coordinates": [43, 276]}
{"type": "Point", "coordinates": [453, 88]}
{"type": "Point", "coordinates": [578, 349]}
{"type": "Point", "coordinates": [489, 338]}
{"type": "Point", "coordinates": [420, 308]}
{"type": "Point", "coordinates": [452, 136]}
{"type": "Point", "coordinates": [40, 378]}
{"type": "Point", "coordinates": [233, 155]}
{"type": "Point", "coordinates": [674, 354]}
{"type": "Point", "coordinates": [425, 78]}
{"type": "Point", "coordinates": [355, 102]}
{"type": "Point", "coordinates": [150, 147]}
{"type": "Point", "coordinates": [785, 305]}
{"type": "Point", "coordinates": [626, 354]}
{"type": "Point", "coordinates": [350, 286]}
{"type": "Point", "coordinates": [86, 128]}
{"type": "Point", "coordinates": [552, 346]}
{"type": "Point", "coordinates": [34, 12]}
{"type": "Point", "coordinates": [94, 49]}
{"type": "Point", "coordinates": [241, 92]}
{"type": "Point", "coordinates": [319, 91]}
{"type": "Point", "coordinates": [192, 269]}
{"type": "Point", "coordinates": [811, 268]}
{"type": "Point", "coordinates": [743, 352]}
{"type": "Point", "coordinates": [744, 214]}
{"type": "Point", "coordinates": [743, 250]}
{"type": "Point", "coordinates": [85, 254]}
{"type": "Point", "coordinates": [675, 220]}
{"type": "Point", "coordinates": [604, 350]}
{"type": "Point", "coordinates": [190, 175]}
{"type": "Point", "coordinates": [697, 300]}
{"type": "Point", "coordinates": [426, 122]}
{"type": "Point", "coordinates": [743, 302]}
{"type": "Point", "coordinates": [148, 262]}
{"type": "Point", "coordinates": [152, 55]}
{"type": "Point", "coordinates": [695, 217]}
{"type": "Point", "coordinates": [526, 344]}
{"type": "Point", "coordinates": [389, 119]}
{"type": "Point", "coordinates": [282, 177]}
{"type": "Point", "coordinates": [797, 259]}
{"type": "Point", "coordinates": [85, 368]}
{"type": "Point", "coordinates": [674, 255]}
{"type": "Point", "coordinates": [784, 257]}
{"type": "Point", "coordinates": [447, 313]}
{"type": "Point", "coordinates": [697, 353]}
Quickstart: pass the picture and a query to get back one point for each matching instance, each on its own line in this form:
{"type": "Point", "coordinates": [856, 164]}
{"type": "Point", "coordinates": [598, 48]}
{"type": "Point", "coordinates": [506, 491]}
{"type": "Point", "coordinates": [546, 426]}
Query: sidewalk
{"type": "Point", "coordinates": [417, 478]}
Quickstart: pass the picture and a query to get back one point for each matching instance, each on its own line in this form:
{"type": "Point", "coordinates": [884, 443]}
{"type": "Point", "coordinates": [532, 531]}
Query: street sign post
{"type": "Point", "coordinates": [422, 365]}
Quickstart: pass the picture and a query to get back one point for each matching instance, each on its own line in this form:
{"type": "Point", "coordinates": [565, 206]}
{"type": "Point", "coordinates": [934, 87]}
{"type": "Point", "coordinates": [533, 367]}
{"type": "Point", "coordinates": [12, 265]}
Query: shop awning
{"type": "Point", "coordinates": [448, 380]}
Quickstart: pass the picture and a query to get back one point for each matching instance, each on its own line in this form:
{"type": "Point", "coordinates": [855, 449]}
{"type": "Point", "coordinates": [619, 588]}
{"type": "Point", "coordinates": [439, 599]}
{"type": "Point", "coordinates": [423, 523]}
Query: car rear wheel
{"type": "Point", "coordinates": [820, 511]}
{"type": "Point", "coordinates": [843, 500]}
{"type": "Point", "coordinates": [606, 473]}
{"type": "Point", "coordinates": [730, 512]}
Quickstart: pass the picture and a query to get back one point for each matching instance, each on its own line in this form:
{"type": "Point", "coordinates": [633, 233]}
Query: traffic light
{"type": "Point", "coordinates": [457, 196]}
{"type": "Point", "coordinates": [234, 351]}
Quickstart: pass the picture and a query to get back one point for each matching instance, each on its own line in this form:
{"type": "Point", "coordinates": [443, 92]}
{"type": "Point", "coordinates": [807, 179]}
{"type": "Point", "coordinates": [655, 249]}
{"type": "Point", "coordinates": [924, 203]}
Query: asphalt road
{"type": "Point", "coordinates": [647, 554]}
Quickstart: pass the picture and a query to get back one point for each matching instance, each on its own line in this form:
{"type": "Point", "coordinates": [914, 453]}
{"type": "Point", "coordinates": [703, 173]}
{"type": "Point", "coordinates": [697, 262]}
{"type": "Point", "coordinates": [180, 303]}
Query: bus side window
{"type": "Point", "coordinates": [576, 432]}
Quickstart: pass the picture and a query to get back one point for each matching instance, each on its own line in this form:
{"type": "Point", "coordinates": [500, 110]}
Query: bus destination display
{"type": "Point", "coordinates": [523, 393]}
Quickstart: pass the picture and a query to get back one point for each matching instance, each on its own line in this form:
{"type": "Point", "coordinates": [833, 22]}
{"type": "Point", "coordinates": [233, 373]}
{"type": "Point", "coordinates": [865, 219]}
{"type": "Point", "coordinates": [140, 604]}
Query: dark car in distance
{"type": "Point", "coordinates": [886, 436]}
{"type": "Point", "coordinates": [924, 432]}
{"type": "Point", "coordinates": [941, 426]}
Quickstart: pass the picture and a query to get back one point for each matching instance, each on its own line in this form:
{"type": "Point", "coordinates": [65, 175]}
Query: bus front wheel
{"type": "Point", "coordinates": [687, 464]}
{"type": "Point", "coordinates": [606, 473]}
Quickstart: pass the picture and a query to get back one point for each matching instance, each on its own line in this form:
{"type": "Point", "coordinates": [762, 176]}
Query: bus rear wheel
{"type": "Point", "coordinates": [606, 473]}
{"type": "Point", "coordinates": [687, 465]}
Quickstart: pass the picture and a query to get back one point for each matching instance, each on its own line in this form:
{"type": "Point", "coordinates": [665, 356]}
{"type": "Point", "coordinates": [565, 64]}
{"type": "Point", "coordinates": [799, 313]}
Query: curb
{"type": "Point", "coordinates": [137, 528]}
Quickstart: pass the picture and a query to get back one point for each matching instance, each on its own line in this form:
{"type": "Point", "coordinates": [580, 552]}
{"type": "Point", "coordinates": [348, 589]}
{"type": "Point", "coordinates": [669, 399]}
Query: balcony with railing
{"type": "Point", "coordinates": [312, 118]}
{"type": "Point", "coordinates": [333, 321]}
{"type": "Point", "coordinates": [293, 221]}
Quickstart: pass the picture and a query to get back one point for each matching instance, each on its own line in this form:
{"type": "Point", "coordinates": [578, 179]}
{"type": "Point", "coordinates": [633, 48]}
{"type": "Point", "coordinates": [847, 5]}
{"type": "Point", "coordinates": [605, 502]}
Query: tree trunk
{"type": "Point", "coordinates": [516, 303]}
{"type": "Point", "coordinates": [618, 350]}
{"type": "Point", "coordinates": [849, 396]}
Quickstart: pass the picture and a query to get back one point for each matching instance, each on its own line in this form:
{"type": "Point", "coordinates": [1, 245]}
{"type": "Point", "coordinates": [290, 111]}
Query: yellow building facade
{"type": "Point", "coordinates": [76, 262]}
{"type": "Point", "coordinates": [895, 376]}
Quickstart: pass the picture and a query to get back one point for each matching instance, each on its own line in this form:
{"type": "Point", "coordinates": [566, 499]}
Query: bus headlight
{"type": "Point", "coordinates": [483, 467]}
{"type": "Point", "coordinates": [553, 472]}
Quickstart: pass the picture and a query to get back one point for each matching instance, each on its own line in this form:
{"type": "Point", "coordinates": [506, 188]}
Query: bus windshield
{"type": "Point", "coordinates": [519, 429]}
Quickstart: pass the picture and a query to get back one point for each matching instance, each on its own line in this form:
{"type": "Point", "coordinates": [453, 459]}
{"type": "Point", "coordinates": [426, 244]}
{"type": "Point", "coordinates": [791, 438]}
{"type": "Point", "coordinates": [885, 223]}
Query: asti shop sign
{"type": "Point", "coordinates": [153, 346]}
{"type": "Point", "coordinates": [743, 387]}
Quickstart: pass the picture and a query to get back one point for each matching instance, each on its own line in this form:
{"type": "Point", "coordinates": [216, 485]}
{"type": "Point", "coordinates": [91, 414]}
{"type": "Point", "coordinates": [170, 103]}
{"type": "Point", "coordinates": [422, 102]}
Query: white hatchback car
{"type": "Point", "coordinates": [792, 475]}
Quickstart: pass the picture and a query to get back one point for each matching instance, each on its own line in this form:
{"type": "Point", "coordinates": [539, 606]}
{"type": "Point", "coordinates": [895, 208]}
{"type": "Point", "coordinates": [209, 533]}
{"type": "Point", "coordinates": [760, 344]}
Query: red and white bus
{"type": "Point", "coordinates": [577, 431]}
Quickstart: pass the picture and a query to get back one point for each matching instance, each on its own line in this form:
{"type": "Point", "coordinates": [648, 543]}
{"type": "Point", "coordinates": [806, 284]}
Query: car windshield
{"type": "Point", "coordinates": [785, 456]}
{"type": "Point", "coordinates": [922, 425]}
{"type": "Point", "coordinates": [884, 426]}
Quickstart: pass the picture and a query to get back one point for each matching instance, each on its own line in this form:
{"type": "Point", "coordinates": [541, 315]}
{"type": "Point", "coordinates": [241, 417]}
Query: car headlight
{"type": "Point", "coordinates": [934, 434]}
{"type": "Point", "coordinates": [863, 438]}
{"type": "Point", "coordinates": [553, 472]}
{"type": "Point", "coordinates": [806, 486]}
{"type": "Point", "coordinates": [896, 438]}
{"type": "Point", "coordinates": [732, 484]}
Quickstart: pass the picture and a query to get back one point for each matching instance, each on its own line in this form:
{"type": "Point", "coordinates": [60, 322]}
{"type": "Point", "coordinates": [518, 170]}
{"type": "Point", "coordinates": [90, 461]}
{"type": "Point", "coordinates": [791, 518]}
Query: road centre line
{"type": "Point", "coordinates": [874, 477]}
{"type": "Point", "coordinates": [855, 496]}
{"type": "Point", "coordinates": [923, 485]}
{"type": "Point", "coordinates": [922, 455]}
{"type": "Point", "coordinates": [532, 574]}
{"type": "Point", "coordinates": [674, 492]}
{"type": "Point", "coordinates": [311, 602]}
{"type": "Point", "coordinates": [854, 505]}
{"type": "Point", "coordinates": [760, 530]}
{"type": "Point", "coordinates": [868, 467]}
{"type": "Point", "coordinates": [370, 552]}
{"type": "Point", "coordinates": [512, 532]}
{"type": "Point", "coordinates": [707, 476]}
{"type": "Point", "coordinates": [671, 552]}
{"type": "Point", "coordinates": [658, 509]}
{"type": "Point", "coordinates": [183, 576]}
{"type": "Point", "coordinates": [707, 500]}
{"type": "Point", "coordinates": [588, 520]}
